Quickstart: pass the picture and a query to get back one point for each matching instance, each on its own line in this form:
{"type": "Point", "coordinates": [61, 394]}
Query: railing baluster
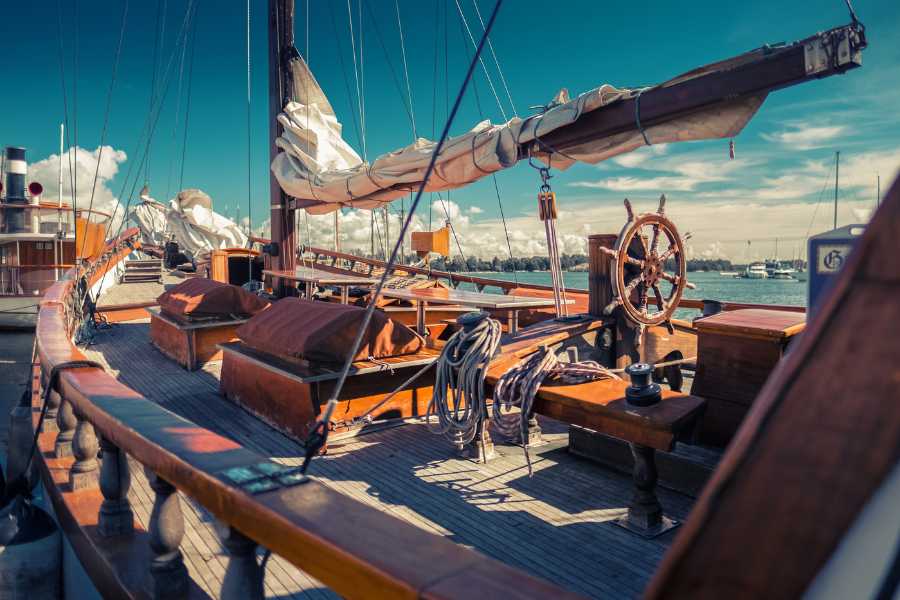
{"type": "Point", "coordinates": [83, 473]}
{"type": "Point", "coordinates": [116, 517]}
{"type": "Point", "coordinates": [243, 575]}
{"type": "Point", "coordinates": [65, 423]}
{"type": "Point", "coordinates": [53, 403]}
{"type": "Point", "coordinates": [169, 577]}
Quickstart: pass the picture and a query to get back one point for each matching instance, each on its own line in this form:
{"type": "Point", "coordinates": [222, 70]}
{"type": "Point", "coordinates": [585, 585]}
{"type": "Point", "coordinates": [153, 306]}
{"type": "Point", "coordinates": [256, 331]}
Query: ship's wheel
{"type": "Point", "coordinates": [641, 269]}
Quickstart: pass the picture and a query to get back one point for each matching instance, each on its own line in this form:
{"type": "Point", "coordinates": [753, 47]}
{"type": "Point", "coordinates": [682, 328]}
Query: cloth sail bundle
{"type": "Point", "coordinates": [323, 172]}
{"type": "Point", "coordinates": [191, 218]}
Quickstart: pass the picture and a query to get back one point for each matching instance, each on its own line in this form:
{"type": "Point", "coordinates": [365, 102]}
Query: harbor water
{"type": "Point", "coordinates": [711, 286]}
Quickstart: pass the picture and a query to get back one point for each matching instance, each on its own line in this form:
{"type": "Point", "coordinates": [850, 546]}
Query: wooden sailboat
{"type": "Point", "coordinates": [177, 455]}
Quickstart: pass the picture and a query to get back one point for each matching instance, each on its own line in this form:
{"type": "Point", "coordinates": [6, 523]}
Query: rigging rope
{"type": "Point", "coordinates": [461, 368]}
{"type": "Point", "coordinates": [109, 92]}
{"type": "Point", "coordinates": [412, 114]}
{"type": "Point", "coordinates": [496, 61]}
{"type": "Point", "coordinates": [518, 387]}
{"type": "Point", "coordinates": [187, 114]}
{"type": "Point", "coordinates": [177, 114]}
{"type": "Point", "coordinates": [356, 70]}
{"type": "Point", "coordinates": [62, 75]}
{"type": "Point", "coordinates": [322, 426]}
{"type": "Point", "coordinates": [487, 75]}
{"type": "Point", "coordinates": [340, 53]}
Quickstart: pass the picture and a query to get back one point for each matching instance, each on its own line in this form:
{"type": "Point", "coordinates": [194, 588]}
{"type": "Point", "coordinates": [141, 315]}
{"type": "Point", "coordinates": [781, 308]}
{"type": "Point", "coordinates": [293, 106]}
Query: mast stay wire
{"type": "Point", "coordinates": [184, 48]}
{"type": "Point", "coordinates": [249, 161]}
{"type": "Point", "coordinates": [187, 114]}
{"type": "Point", "coordinates": [487, 75]}
{"type": "Point", "coordinates": [148, 130]}
{"type": "Point", "coordinates": [493, 175]}
{"type": "Point", "coordinates": [319, 434]}
{"type": "Point", "coordinates": [496, 61]}
{"type": "Point", "coordinates": [62, 74]}
{"type": "Point", "coordinates": [159, 43]}
{"type": "Point", "coordinates": [340, 54]}
{"type": "Point", "coordinates": [412, 114]}
{"type": "Point", "coordinates": [109, 94]}
{"type": "Point", "coordinates": [356, 70]}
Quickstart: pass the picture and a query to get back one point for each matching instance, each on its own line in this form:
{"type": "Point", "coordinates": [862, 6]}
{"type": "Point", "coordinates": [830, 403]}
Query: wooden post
{"type": "Point", "coordinates": [116, 517]}
{"type": "Point", "coordinates": [281, 21]}
{"type": "Point", "coordinates": [599, 282]}
{"type": "Point", "coordinates": [65, 423]}
{"type": "Point", "coordinates": [83, 473]}
{"type": "Point", "coordinates": [601, 293]}
{"type": "Point", "coordinates": [243, 576]}
{"type": "Point", "coordinates": [53, 402]}
{"type": "Point", "coordinates": [169, 577]}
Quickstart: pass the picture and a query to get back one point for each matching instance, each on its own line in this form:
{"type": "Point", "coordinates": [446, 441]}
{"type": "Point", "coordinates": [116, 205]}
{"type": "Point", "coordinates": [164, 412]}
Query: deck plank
{"type": "Point", "coordinates": [555, 525]}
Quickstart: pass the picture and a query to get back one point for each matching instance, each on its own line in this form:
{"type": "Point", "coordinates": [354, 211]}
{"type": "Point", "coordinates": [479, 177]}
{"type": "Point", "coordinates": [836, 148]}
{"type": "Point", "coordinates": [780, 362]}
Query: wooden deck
{"type": "Point", "coordinates": [556, 525]}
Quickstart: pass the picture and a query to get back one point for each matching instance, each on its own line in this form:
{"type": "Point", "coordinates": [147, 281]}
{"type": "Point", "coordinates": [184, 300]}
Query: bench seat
{"type": "Point", "coordinates": [191, 343]}
{"type": "Point", "coordinates": [289, 393]}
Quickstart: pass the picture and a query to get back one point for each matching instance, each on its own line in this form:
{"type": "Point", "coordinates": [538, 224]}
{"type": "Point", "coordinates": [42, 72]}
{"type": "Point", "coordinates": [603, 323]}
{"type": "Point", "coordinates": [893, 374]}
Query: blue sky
{"type": "Point", "coordinates": [784, 156]}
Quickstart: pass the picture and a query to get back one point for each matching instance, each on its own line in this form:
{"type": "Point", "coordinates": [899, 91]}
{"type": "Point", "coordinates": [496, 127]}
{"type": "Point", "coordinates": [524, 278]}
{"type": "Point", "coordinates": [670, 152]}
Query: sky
{"type": "Point", "coordinates": [779, 186]}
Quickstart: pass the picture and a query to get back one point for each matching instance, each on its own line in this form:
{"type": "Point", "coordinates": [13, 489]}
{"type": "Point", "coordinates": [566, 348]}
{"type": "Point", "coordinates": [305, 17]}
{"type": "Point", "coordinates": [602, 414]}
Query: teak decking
{"type": "Point", "coordinates": [408, 472]}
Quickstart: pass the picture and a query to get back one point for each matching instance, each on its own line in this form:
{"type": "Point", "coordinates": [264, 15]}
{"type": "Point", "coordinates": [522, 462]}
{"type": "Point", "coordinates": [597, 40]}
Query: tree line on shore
{"type": "Point", "coordinates": [569, 262]}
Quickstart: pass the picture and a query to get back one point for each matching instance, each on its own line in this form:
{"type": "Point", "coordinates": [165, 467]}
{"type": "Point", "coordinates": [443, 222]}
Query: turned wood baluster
{"type": "Point", "coordinates": [243, 575]}
{"type": "Point", "coordinates": [65, 423]}
{"type": "Point", "coordinates": [116, 517]}
{"type": "Point", "coordinates": [169, 578]}
{"type": "Point", "coordinates": [53, 402]}
{"type": "Point", "coordinates": [83, 473]}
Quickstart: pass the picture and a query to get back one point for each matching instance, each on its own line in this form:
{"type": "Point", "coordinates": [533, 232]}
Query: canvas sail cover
{"type": "Point", "coordinates": [323, 172]}
{"type": "Point", "coordinates": [191, 219]}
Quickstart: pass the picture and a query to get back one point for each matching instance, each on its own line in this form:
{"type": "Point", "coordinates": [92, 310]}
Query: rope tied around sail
{"type": "Point", "coordinates": [461, 369]}
{"type": "Point", "coordinates": [518, 387]}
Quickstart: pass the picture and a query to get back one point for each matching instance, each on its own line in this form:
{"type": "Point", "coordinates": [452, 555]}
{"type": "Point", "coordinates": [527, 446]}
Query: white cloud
{"type": "Point", "coordinates": [637, 158]}
{"type": "Point", "coordinates": [46, 172]}
{"type": "Point", "coordinates": [681, 175]}
{"type": "Point", "coordinates": [475, 210]}
{"type": "Point", "coordinates": [803, 136]}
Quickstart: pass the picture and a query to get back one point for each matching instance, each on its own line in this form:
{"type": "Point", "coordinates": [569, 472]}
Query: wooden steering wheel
{"type": "Point", "coordinates": [639, 267]}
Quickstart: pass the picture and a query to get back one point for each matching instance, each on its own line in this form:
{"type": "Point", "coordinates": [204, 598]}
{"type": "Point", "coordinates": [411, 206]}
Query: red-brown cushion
{"type": "Point", "coordinates": [200, 297]}
{"type": "Point", "coordinates": [324, 332]}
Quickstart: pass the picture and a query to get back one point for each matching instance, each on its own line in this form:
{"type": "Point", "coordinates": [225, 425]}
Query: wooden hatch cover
{"type": "Point", "coordinates": [821, 438]}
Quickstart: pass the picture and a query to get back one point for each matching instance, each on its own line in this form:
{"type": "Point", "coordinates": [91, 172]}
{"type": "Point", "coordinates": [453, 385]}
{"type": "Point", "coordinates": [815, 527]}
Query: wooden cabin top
{"type": "Point", "coordinates": [754, 322]}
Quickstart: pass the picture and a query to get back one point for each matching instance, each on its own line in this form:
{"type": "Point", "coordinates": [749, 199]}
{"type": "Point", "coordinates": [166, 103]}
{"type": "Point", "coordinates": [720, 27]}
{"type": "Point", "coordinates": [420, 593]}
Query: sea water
{"type": "Point", "coordinates": [710, 286]}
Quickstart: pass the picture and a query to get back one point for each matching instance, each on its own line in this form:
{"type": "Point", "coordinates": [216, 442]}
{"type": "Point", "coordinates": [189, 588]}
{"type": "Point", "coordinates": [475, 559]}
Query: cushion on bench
{"type": "Point", "coordinates": [324, 332]}
{"type": "Point", "coordinates": [200, 297]}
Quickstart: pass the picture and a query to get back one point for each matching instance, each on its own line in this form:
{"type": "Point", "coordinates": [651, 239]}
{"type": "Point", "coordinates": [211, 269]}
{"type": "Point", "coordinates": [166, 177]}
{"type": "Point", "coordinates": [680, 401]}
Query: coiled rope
{"type": "Point", "coordinates": [518, 387]}
{"type": "Point", "coordinates": [461, 369]}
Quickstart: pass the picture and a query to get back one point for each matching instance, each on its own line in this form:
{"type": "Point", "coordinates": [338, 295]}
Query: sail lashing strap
{"type": "Point", "coordinates": [637, 116]}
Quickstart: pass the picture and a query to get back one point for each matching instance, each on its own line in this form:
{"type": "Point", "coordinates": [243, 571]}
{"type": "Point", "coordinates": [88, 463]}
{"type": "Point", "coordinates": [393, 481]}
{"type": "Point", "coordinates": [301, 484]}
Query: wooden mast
{"type": "Point", "coordinates": [281, 43]}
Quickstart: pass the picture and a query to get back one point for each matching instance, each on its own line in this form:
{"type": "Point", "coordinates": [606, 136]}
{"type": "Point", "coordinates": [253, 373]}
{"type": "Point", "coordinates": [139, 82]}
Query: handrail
{"type": "Point", "coordinates": [510, 285]}
{"type": "Point", "coordinates": [355, 549]}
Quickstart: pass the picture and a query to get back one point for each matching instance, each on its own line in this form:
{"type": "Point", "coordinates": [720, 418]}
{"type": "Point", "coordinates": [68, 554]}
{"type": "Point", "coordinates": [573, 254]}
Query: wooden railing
{"type": "Point", "coordinates": [356, 550]}
{"type": "Point", "coordinates": [351, 261]}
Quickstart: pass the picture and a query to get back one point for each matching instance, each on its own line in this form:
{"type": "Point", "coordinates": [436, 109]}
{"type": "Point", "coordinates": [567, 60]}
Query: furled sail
{"type": "Point", "coordinates": [318, 168]}
{"type": "Point", "coordinates": [191, 219]}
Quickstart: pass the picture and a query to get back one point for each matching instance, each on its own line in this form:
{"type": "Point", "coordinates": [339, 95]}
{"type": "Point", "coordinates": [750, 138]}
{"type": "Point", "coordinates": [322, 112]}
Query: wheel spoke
{"type": "Point", "coordinates": [634, 261]}
{"type": "Point", "coordinates": [655, 242]}
{"type": "Point", "coordinates": [660, 302]}
{"type": "Point", "coordinates": [643, 296]}
{"type": "Point", "coordinates": [673, 249]}
{"type": "Point", "coordinates": [630, 287]}
{"type": "Point", "coordinates": [674, 280]}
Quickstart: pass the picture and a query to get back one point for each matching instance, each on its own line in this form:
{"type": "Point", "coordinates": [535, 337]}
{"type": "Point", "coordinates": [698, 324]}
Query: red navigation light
{"type": "Point", "coordinates": [35, 189]}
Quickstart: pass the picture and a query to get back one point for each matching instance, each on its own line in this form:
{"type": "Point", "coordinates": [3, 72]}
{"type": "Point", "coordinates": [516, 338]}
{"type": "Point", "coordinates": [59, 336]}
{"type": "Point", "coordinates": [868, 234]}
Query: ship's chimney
{"type": "Point", "coordinates": [16, 170]}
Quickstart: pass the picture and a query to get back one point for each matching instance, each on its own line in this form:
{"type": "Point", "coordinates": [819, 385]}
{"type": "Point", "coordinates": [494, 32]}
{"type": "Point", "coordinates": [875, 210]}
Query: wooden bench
{"type": "Point", "coordinates": [602, 406]}
{"type": "Point", "coordinates": [736, 353]}
{"type": "Point", "coordinates": [290, 393]}
{"type": "Point", "coordinates": [190, 343]}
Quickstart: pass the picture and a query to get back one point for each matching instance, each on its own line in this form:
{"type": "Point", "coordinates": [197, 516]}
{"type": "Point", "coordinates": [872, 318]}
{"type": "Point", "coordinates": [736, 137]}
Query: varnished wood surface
{"type": "Point", "coordinates": [477, 299]}
{"type": "Point", "coordinates": [754, 322]}
{"type": "Point", "coordinates": [823, 436]}
{"type": "Point", "coordinates": [310, 275]}
{"type": "Point", "coordinates": [413, 474]}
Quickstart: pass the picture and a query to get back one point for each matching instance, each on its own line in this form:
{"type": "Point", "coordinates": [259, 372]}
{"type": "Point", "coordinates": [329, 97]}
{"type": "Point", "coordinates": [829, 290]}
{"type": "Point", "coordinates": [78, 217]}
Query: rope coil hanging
{"type": "Point", "coordinates": [461, 369]}
{"type": "Point", "coordinates": [518, 387]}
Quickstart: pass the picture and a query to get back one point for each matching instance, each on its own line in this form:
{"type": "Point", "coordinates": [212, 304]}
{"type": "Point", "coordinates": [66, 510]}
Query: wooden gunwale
{"type": "Point", "coordinates": [356, 550]}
